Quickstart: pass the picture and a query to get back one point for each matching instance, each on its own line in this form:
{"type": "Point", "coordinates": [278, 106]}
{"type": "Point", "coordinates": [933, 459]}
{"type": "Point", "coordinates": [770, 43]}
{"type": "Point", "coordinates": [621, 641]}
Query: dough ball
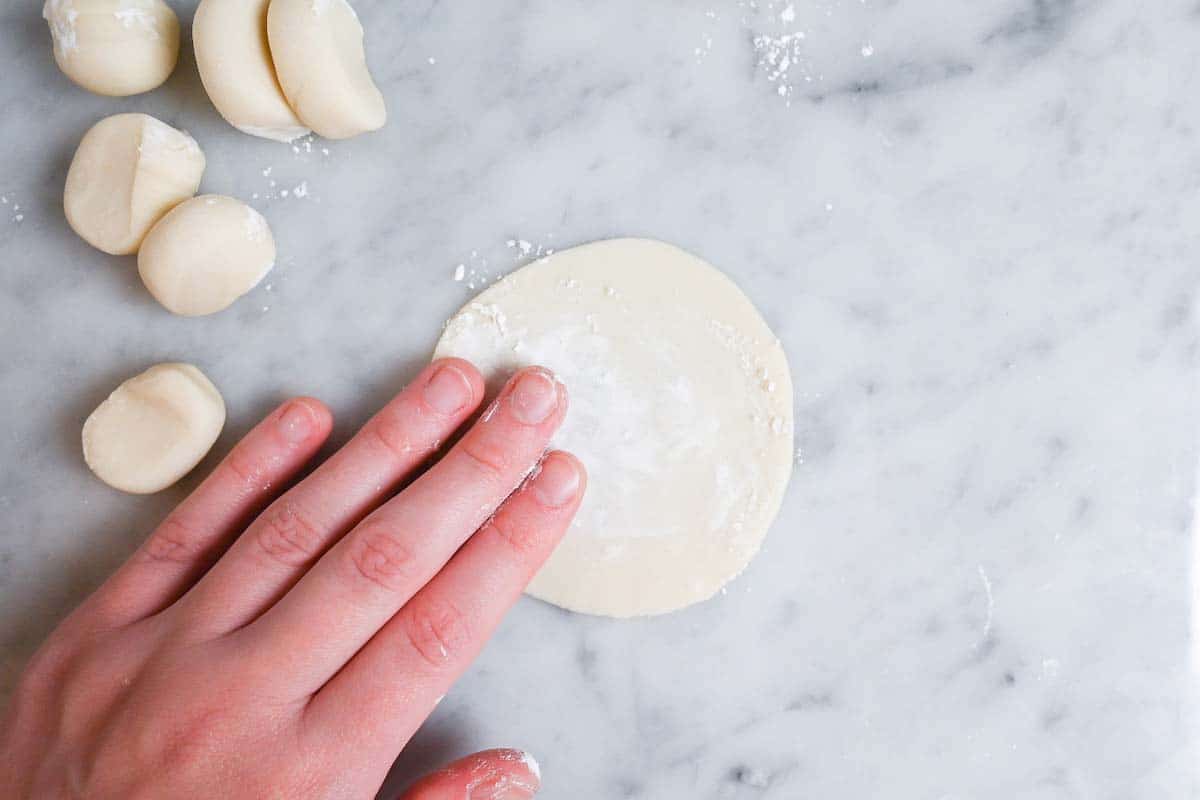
{"type": "Point", "coordinates": [317, 46]}
{"type": "Point", "coordinates": [680, 408]}
{"type": "Point", "coordinates": [230, 40]}
{"type": "Point", "coordinates": [128, 171]}
{"type": "Point", "coordinates": [153, 429]}
{"type": "Point", "coordinates": [114, 47]}
{"type": "Point", "coordinates": [206, 253]}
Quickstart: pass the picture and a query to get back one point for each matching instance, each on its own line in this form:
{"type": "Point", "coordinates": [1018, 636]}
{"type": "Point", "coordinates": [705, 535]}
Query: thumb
{"type": "Point", "coordinates": [489, 775]}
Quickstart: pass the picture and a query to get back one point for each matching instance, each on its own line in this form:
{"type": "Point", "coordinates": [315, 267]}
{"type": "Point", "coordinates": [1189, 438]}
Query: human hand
{"type": "Point", "coordinates": [292, 653]}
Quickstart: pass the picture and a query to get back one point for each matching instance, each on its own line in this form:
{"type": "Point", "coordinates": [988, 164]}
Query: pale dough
{"type": "Point", "coordinates": [153, 429]}
{"type": "Point", "coordinates": [205, 254]}
{"type": "Point", "coordinates": [114, 47]}
{"type": "Point", "coordinates": [680, 408]}
{"type": "Point", "coordinates": [317, 46]}
{"type": "Point", "coordinates": [127, 172]}
{"type": "Point", "coordinates": [230, 40]}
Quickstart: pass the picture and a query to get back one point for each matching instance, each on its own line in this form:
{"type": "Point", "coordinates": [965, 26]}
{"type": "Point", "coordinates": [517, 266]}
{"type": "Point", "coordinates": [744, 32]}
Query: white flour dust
{"type": "Point", "coordinates": [477, 272]}
{"type": "Point", "coordinates": [523, 248]}
{"type": "Point", "coordinates": [275, 190]}
{"type": "Point", "coordinates": [160, 140]}
{"type": "Point", "coordinates": [256, 226]}
{"type": "Point", "coordinates": [10, 205]}
{"type": "Point", "coordinates": [474, 272]}
{"type": "Point", "coordinates": [63, 18]}
{"type": "Point", "coordinates": [607, 413]}
{"type": "Point", "coordinates": [781, 34]}
{"type": "Point", "coordinates": [135, 14]}
{"type": "Point", "coordinates": [306, 150]}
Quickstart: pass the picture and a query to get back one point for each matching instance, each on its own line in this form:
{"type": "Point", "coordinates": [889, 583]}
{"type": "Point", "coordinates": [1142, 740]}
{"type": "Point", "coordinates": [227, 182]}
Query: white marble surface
{"type": "Point", "coordinates": [973, 227]}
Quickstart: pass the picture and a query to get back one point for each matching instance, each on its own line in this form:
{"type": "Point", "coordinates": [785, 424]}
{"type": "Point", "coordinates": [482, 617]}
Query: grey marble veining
{"type": "Point", "coordinates": [972, 226]}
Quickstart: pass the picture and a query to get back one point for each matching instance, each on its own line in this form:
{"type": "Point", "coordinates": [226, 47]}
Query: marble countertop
{"type": "Point", "coordinates": [972, 226]}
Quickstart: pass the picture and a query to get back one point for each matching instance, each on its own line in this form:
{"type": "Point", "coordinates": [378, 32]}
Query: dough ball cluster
{"type": "Point", "coordinates": [128, 191]}
{"type": "Point", "coordinates": [154, 428]}
{"type": "Point", "coordinates": [114, 47]}
{"type": "Point", "coordinates": [234, 58]}
{"type": "Point", "coordinates": [278, 68]}
{"type": "Point", "coordinates": [128, 171]}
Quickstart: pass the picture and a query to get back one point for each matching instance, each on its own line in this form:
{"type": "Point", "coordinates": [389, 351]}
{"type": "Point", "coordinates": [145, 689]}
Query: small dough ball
{"type": "Point", "coordinates": [128, 171]}
{"type": "Point", "coordinates": [206, 253]}
{"type": "Point", "coordinates": [318, 50]}
{"type": "Point", "coordinates": [114, 47]}
{"type": "Point", "coordinates": [230, 40]}
{"type": "Point", "coordinates": [154, 429]}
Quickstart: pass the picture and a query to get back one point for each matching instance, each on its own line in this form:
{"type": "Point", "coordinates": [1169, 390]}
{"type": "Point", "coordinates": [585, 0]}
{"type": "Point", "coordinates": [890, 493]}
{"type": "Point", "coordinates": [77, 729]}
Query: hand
{"type": "Point", "coordinates": [292, 653]}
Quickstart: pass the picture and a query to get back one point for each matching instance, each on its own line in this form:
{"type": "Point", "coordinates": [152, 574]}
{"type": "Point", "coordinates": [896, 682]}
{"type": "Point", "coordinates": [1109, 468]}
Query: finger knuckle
{"type": "Point", "coordinates": [47, 665]}
{"type": "Point", "coordinates": [174, 542]}
{"type": "Point", "coordinates": [286, 535]}
{"type": "Point", "coordinates": [393, 433]}
{"type": "Point", "coordinates": [380, 557]}
{"type": "Point", "coordinates": [523, 540]}
{"type": "Point", "coordinates": [436, 630]}
{"type": "Point", "coordinates": [184, 743]}
{"type": "Point", "coordinates": [246, 467]}
{"type": "Point", "coordinates": [486, 458]}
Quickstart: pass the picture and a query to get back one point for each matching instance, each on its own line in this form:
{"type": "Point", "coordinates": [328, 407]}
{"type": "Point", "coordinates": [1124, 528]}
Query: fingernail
{"type": "Point", "coordinates": [448, 390]}
{"type": "Point", "coordinates": [534, 398]}
{"type": "Point", "coordinates": [557, 482]}
{"type": "Point", "coordinates": [297, 422]}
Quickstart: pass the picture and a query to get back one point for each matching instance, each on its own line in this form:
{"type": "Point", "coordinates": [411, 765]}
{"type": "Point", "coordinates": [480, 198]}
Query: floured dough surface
{"type": "Point", "coordinates": [154, 428]}
{"type": "Point", "coordinates": [680, 408]}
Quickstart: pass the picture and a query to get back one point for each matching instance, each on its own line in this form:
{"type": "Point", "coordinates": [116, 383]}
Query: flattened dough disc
{"type": "Point", "coordinates": [680, 407]}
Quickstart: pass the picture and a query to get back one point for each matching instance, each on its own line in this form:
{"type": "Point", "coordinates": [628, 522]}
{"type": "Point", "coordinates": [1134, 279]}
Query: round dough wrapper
{"type": "Point", "coordinates": [153, 429]}
{"type": "Point", "coordinates": [317, 46]}
{"type": "Point", "coordinates": [114, 47]}
{"type": "Point", "coordinates": [230, 40]}
{"type": "Point", "coordinates": [205, 254]}
{"type": "Point", "coordinates": [127, 172]}
{"type": "Point", "coordinates": [680, 408]}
